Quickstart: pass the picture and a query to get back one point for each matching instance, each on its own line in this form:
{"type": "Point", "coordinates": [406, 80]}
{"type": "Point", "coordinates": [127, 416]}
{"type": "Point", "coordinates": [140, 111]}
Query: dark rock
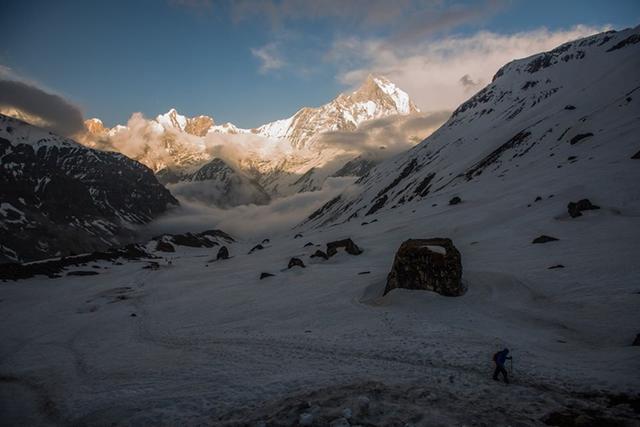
{"type": "Point", "coordinates": [632, 39]}
{"type": "Point", "coordinates": [556, 266]}
{"type": "Point", "coordinates": [133, 315]}
{"type": "Point", "coordinates": [265, 241]}
{"type": "Point", "coordinates": [544, 239]}
{"type": "Point", "coordinates": [347, 244]}
{"type": "Point", "coordinates": [379, 203]}
{"type": "Point", "coordinates": [223, 253]}
{"type": "Point", "coordinates": [579, 138]}
{"type": "Point", "coordinates": [204, 239]}
{"type": "Point", "coordinates": [163, 246]}
{"type": "Point", "coordinates": [569, 107]}
{"type": "Point", "coordinates": [538, 199]}
{"type": "Point", "coordinates": [297, 236]}
{"type": "Point", "coordinates": [363, 272]}
{"type": "Point", "coordinates": [364, 223]}
{"type": "Point", "coordinates": [636, 342]}
{"type": "Point", "coordinates": [152, 266]}
{"type": "Point", "coordinates": [575, 208]}
{"type": "Point", "coordinates": [428, 264]}
{"type": "Point", "coordinates": [257, 247]}
{"type": "Point", "coordinates": [82, 273]}
{"type": "Point", "coordinates": [51, 268]}
{"type": "Point", "coordinates": [455, 200]}
{"type": "Point", "coordinates": [319, 254]}
{"type": "Point", "coordinates": [636, 156]}
{"type": "Point", "coordinates": [308, 244]}
{"type": "Point", "coordinates": [293, 262]}
{"type": "Point", "coordinates": [265, 275]}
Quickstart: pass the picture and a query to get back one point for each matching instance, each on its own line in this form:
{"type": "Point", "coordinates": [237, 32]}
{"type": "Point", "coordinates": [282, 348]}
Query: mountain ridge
{"type": "Point", "coordinates": [554, 105]}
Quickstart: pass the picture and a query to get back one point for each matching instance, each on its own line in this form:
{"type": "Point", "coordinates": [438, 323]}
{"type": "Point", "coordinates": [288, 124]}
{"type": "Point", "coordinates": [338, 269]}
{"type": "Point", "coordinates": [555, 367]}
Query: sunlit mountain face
{"type": "Point", "coordinates": [357, 213]}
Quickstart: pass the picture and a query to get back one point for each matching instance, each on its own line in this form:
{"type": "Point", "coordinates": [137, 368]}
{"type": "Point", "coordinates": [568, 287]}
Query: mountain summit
{"type": "Point", "coordinates": [377, 97]}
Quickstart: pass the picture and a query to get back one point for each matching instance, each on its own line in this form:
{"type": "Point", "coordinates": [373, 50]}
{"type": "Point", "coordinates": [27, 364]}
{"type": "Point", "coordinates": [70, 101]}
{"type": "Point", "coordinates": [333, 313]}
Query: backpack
{"type": "Point", "coordinates": [495, 357]}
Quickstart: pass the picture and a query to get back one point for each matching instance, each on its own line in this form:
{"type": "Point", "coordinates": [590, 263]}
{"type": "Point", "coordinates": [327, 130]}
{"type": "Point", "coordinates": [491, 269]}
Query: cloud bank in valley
{"type": "Point", "coordinates": [381, 138]}
{"type": "Point", "coordinates": [248, 221]}
{"type": "Point", "coordinates": [30, 103]}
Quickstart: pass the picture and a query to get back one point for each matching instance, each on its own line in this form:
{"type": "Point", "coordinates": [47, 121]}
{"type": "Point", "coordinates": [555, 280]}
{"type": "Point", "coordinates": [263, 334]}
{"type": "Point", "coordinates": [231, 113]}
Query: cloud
{"type": "Point", "coordinates": [398, 21]}
{"type": "Point", "coordinates": [403, 17]}
{"type": "Point", "coordinates": [269, 56]}
{"type": "Point", "coordinates": [248, 221]}
{"type": "Point", "coordinates": [32, 104]}
{"type": "Point", "coordinates": [382, 138]}
{"type": "Point", "coordinates": [440, 74]}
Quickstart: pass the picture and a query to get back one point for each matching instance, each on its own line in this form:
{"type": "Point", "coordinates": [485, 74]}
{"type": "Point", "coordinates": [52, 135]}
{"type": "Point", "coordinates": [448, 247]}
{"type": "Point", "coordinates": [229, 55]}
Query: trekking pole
{"type": "Point", "coordinates": [511, 365]}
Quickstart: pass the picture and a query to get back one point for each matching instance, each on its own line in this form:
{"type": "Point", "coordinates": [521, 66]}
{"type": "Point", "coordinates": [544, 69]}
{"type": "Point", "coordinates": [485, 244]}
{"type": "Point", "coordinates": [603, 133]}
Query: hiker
{"type": "Point", "coordinates": [499, 359]}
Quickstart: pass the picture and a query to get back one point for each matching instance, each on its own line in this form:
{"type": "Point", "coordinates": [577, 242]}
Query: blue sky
{"type": "Point", "coordinates": [250, 62]}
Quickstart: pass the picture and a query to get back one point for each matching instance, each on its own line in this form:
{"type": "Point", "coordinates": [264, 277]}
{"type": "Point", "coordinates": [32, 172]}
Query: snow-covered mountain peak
{"type": "Point", "coordinates": [377, 86]}
{"type": "Point", "coordinates": [95, 126]}
{"type": "Point", "coordinates": [172, 119]}
{"type": "Point", "coordinates": [377, 97]}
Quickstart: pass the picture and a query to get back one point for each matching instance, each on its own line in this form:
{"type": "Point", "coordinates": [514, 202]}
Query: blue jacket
{"type": "Point", "coordinates": [501, 357]}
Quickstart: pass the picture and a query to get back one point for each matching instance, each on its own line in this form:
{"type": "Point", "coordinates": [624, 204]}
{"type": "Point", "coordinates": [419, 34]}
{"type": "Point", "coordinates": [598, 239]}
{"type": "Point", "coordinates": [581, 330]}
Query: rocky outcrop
{"type": "Point", "coordinates": [265, 275]}
{"type": "Point", "coordinates": [52, 268]}
{"type": "Point", "coordinates": [163, 246]}
{"type": "Point", "coordinates": [428, 264]}
{"type": "Point", "coordinates": [348, 245]}
{"type": "Point", "coordinates": [544, 239]}
{"type": "Point", "coordinates": [455, 200]}
{"type": "Point", "coordinates": [60, 197]}
{"type": "Point", "coordinates": [204, 239]}
{"type": "Point", "coordinates": [257, 247]}
{"type": "Point", "coordinates": [295, 262]}
{"type": "Point", "coordinates": [319, 254]}
{"type": "Point", "coordinates": [575, 208]}
{"type": "Point", "coordinates": [223, 253]}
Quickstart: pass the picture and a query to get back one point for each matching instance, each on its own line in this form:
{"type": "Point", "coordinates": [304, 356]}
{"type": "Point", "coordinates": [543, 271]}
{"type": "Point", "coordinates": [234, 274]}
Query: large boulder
{"type": "Point", "coordinates": [428, 264]}
{"type": "Point", "coordinates": [347, 244]}
{"type": "Point", "coordinates": [223, 253]}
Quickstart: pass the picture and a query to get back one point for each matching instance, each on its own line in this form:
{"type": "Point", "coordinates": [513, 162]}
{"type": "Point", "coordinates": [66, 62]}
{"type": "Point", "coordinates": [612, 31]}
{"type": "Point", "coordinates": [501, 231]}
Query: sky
{"type": "Point", "coordinates": [250, 62]}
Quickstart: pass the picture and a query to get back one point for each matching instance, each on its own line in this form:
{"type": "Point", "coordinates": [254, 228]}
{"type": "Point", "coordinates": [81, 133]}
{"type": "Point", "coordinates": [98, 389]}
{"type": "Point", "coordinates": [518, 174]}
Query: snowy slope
{"type": "Point", "coordinates": [59, 196]}
{"type": "Point", "coordinates": [544, 125]}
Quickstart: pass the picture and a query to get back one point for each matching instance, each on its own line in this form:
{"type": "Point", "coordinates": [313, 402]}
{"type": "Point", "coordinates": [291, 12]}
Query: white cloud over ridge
{"type": "Point", "coordinates": [441, 74]}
